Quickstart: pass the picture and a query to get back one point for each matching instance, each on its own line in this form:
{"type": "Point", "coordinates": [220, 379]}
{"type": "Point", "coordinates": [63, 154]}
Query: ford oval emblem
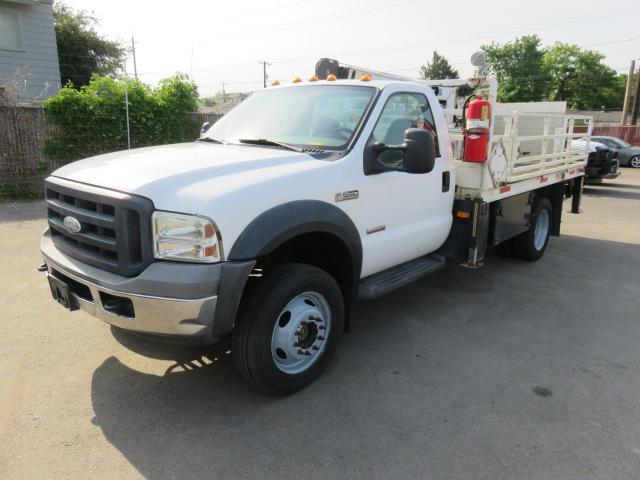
{"type": "Point", "coordinates": [72, 224]}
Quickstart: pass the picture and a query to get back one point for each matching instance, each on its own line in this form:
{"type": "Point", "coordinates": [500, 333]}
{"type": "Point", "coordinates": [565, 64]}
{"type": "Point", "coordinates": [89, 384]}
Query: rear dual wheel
{"type": "Point", "coordinates": [530, 245]}
{"type": "Point", "coordinates": [288, 328]}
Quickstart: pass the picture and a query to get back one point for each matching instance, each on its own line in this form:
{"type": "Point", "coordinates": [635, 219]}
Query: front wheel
{"type": "Point", "coordinates": [635, 161]}
{"type": "Point", "coordinates": [531, 244]}
{"type": "Point", "coordinates": [288, 328]}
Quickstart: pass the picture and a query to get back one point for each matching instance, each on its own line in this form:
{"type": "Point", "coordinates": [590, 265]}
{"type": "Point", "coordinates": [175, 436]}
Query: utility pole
{"type": "Point", "coordinates": [126, 105]}
{"type": "Point", "coordinates": [191, 64]}
{"type": "Point", "coordinates": [133, 51]}
{"type": "Point", "coordinates": [627, 93]}
{"type": "Point", "coordinates": [264, 72]}
{"type": "Point", "coordinates": [224, 99]}
{"type": "Point", "coordinates": [636, 104]}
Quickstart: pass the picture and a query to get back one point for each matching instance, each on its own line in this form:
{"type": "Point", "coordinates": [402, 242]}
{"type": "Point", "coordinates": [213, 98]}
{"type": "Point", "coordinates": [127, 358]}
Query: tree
{"type": "Point", "coordinates": [438, 68]}
{"type": "Point", "coordinates": [92, 119]}
{"type": "Point", "coordinates": [82, 52]}
{"type": "Point", "coordinates": [519, 68]}
{"type": "Point", "coordinates": [209, 101]}
{"type": "Point", "coordinates": [579, 77]}
{"type": "Point", "coordinates": [613, 96]}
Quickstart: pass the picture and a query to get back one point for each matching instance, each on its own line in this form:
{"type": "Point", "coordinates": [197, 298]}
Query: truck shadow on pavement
{"type": "Point", "coordinates": [420, 366]}
{"type": "Point", "coordinates": [620, 185]}
{"type": "Point", "coordinates": [604, 191]}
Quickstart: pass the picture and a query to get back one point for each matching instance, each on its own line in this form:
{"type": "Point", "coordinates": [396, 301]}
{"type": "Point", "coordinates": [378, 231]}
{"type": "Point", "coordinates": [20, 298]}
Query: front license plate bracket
{"type": "Point", "coordinates": [61, 293]}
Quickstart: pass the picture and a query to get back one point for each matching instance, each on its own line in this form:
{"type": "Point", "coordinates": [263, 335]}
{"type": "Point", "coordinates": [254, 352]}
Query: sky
{"type": "Point", "coordinates": [221, 41]}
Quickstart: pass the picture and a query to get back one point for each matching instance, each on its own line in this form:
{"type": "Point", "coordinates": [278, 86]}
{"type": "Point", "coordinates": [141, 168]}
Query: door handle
{"type": "Point", "coordinates": [446, 181]}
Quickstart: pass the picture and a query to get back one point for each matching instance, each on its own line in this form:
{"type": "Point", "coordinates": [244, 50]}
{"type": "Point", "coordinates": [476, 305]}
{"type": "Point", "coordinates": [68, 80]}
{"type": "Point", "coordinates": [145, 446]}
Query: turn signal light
{"type": "Point", "coordinates": [275, 83]}
{"type": "Point", "coordinates": [313, 79]}
{"type": "Point", "coordinates": [365, 77]}
{"type": "Point", "coordinates": [297, 80]}
{"type": "Point", "coordinates": [463, 215]}
{"type": "Point", "coordinates": [331, 78]}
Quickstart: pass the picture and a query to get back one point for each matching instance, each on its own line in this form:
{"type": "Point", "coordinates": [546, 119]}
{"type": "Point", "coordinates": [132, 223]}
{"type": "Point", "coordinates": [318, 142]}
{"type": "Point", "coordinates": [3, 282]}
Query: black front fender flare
{"type": "Point", "coordinates": [275, 226]}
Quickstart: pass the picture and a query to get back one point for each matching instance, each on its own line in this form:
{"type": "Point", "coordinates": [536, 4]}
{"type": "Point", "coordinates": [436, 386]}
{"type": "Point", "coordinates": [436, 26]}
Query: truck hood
{"type": "Point", "coordinates": [188, 174]}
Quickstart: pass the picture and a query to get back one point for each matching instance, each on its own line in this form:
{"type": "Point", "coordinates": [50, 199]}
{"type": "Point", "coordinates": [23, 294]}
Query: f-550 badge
{"type": "Point", "coordinates": [349, 195]}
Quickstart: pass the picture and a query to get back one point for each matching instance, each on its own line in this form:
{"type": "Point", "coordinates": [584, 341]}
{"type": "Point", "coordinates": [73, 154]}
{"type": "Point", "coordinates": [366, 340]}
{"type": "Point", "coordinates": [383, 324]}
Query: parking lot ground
{"type": "Point", "coordinates": [511, 371]}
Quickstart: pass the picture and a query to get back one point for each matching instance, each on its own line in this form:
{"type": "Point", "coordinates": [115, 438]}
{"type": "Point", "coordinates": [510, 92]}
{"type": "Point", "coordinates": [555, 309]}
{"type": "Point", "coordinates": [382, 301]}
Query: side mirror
{"type": "Point", "coordinates": [204, 128]}
{"type": "Point", "coordinates": [416, 155]}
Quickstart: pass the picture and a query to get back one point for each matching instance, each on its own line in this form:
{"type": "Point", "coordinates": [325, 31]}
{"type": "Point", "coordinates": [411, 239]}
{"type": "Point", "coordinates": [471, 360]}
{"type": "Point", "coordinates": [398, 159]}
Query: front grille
{"type": "Point", "coordinates": [115, 232]}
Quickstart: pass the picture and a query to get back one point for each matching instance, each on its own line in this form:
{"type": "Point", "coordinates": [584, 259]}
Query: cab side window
{"type": "Point", "coordinates": [403, 111]}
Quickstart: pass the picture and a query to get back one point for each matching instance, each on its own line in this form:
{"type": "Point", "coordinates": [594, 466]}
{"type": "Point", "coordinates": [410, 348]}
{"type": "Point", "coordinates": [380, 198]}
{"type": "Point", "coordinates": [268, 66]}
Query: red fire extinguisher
{"type": "Point", "coordinates": [476, 130]}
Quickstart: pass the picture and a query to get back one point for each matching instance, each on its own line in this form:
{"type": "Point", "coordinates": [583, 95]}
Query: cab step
{"type": "Point", "coordinates": [388, 280]}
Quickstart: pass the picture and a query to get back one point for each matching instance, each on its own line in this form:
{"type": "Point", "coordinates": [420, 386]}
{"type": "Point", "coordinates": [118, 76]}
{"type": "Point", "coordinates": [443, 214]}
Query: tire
{"type": "Point", "coordinates": [292, 299]}
{"type": "Point", "coordinates": [634, 162]}
{"type": "Point", "coordinates": [530, 245]}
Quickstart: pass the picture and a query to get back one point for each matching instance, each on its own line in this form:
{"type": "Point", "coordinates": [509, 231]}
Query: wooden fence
{"type": "Point", "coordinates": [630, 134]}
{"type": "Point", "coordinates": [22, 133]}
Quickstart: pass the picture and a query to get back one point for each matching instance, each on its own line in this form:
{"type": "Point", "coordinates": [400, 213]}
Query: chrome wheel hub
{"type": "Point", "coordinates": [300, 333]}
{"type": "Point", "coordinates": [635, 162]}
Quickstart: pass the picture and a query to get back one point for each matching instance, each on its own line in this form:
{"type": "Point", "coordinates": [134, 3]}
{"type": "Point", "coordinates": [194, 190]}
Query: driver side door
{"type": "Point", "coordinates": [406, 215]}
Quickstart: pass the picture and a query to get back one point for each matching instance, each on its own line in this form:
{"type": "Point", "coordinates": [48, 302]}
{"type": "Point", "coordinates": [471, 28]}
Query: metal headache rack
{"type": "Point", "coordinates": [530, 143]}
{"type": "Point", "coordinates": [525, 149]}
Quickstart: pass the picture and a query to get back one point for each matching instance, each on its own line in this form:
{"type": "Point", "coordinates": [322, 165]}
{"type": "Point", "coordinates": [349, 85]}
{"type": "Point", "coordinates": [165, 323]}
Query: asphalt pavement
{"type": "Point", "coordinates": [512, 371]}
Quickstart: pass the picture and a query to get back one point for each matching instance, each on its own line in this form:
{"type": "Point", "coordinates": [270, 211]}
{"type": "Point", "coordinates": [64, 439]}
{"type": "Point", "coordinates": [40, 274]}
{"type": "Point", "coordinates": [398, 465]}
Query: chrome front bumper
{"type": "Point", "coordinates": [157, 314]}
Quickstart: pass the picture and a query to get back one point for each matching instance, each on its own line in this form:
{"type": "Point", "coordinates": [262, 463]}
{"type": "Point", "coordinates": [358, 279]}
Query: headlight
{"type": "Point", "coordinates": [185, 237]}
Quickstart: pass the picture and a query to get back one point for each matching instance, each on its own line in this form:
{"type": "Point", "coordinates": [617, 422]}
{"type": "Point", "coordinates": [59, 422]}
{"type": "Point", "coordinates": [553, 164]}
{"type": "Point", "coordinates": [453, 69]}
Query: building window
{"type": "Point", "coordinates": [10, 31]}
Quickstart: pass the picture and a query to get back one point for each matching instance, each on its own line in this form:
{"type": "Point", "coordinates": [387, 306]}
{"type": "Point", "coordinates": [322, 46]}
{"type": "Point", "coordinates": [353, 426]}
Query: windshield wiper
{"type": "Point", "coordinates": [270, 143]}
{"type": "Point", "coordinates": [211, 140]}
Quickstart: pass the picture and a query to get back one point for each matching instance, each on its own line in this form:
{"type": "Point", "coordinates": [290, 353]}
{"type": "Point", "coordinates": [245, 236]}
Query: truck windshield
{"type": "Point", "coordinates": [312, 116]}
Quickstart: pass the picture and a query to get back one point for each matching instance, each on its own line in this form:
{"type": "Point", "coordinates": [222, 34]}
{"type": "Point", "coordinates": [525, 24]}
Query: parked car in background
{"type": "Point", "coordinates": [628, 155]}
{"type": "Point", "coordinates": [601, 162]}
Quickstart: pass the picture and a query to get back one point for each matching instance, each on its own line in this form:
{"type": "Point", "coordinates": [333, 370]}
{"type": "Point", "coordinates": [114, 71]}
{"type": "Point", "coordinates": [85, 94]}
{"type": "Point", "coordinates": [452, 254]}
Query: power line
{"type": "Point", "coordinates": [452, 39]}
{"type": "Point", "coordinates": [579, 46]}
{"type": "Point", "coordinates": [270, 9]}
{"type": "Point", "coordinates": [323, 19]}
{"type": "Point", "coordinates": [468, 36]}
{"type": "Point", "coordinates": [409, 45]}
{"type": "Point", "coordinates": [472, 36]}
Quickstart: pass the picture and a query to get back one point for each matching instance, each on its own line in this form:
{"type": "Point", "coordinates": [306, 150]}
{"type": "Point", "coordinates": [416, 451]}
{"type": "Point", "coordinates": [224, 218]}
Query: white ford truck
{"type": "Point", "coordinates": [301, 200]}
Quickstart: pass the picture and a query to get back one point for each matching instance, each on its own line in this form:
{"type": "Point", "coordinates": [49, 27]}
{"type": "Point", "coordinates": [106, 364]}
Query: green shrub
{"type": "Point", "coordinates": [92, 120]}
